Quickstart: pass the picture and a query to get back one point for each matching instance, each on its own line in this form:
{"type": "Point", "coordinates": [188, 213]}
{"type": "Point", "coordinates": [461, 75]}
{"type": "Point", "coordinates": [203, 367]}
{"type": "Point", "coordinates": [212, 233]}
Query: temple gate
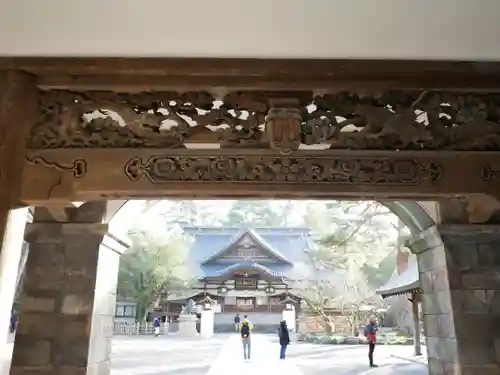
{"type": "Point", "coordinates": [93, 130]}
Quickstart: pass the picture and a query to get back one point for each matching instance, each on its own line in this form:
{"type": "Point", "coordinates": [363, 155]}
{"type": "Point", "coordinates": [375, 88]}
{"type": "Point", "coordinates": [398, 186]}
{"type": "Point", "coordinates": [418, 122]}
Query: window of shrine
{"type": "Point", "coordinates": [245, 283]}
{"type": "Point", "coordinates": [246, 253]}
{"type": "Point", "coordinates": [245, 303]}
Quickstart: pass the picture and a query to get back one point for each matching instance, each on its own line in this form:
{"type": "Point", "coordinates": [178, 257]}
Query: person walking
{"type": "Point", "coordinates": [156, 325]}
{"type": "Point", "coordinates": [371, 330]}
{"type": "Point", "coordinates": [245, 332]}
{"type": "Point", "coordinates": [284, 337]}
{"type": "Point", "coordinates": [237, 322]}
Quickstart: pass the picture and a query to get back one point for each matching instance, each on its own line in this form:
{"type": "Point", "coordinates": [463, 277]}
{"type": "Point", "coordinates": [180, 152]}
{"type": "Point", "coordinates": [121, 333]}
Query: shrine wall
{"type": "Point", "coordinates": [394, 29]}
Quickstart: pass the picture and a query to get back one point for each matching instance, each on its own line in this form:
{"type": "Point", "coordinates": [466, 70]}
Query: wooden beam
{"type": "Point", "coordinates": [243, 66]}
{"type": "Point", "coordinates": [80, 73]}
{"type": "Point", "coordinates": [223, 84]}
{"type": "Point", "coordinates": [63, 175]}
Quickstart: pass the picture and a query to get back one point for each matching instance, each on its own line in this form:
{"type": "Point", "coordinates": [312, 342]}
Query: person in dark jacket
{"type": "Point", "coordinates": [157, 325]}
{"type": "Point", "coordinates": [371, 330]}
{"type": "Point", "coordinates": [237, 322]}
{"type": "Point", "coordinates": [284, 337]}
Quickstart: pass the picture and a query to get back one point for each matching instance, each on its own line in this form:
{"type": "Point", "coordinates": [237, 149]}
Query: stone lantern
{"type": "Point", "coordinates": [207, 303]}
{"type": "Point", "coordinates": [207, 317]}
{"type": "Point", "coordinates": [289, 316]}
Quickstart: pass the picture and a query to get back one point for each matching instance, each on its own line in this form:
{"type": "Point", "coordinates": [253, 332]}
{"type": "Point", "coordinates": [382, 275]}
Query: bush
{"type": "Point", "coordinates": [317, 338]}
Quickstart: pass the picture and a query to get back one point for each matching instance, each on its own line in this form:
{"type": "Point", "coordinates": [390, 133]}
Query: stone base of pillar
{"type": "Point", "coordinates": [187, 326]}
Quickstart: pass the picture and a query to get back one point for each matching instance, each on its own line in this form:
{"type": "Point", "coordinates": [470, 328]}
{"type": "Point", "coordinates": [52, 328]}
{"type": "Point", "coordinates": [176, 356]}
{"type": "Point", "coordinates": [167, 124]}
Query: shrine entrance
{"type": "Point", "coordinates": [76, 133]}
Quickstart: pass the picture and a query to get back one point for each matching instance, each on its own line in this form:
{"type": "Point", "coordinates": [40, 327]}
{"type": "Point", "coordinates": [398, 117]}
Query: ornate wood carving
{"type": "Point", "coordinates": [359, 171]}
{"type": "Point", "coordinates": [488, 173]}
{"type": "Point", "coordinates": [116, 174]}
{"type": "Point", "coordinates": [78, 167]}
{"type": "Point", "coordinates": [396, 120]}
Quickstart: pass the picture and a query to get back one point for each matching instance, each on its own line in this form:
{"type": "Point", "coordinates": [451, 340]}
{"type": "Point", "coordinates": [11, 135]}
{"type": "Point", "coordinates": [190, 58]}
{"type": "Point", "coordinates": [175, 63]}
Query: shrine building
{"type": "Point", "coordinates": [250, 271]}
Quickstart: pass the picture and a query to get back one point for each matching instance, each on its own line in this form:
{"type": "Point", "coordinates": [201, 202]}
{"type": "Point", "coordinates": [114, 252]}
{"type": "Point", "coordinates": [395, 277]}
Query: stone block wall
{"type": "Point", "coordinates": [309, 323]}
{"type": "Point", "coordinates": [57, 303]}
{"type": "Point", "coordinates": [69, 295]}
{"type": "Point", "coordinates": [459, 269]}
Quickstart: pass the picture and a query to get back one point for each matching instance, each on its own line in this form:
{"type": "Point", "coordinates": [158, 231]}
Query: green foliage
{"type": "Point", "coordinates": [256, 212]}
{"type": "Point", "coordinates": [352, 239]}
{"type": "Point", "coordinates": [155, 263]}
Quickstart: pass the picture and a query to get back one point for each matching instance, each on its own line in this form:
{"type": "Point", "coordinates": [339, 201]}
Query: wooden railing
{"type": "Point", "coordinates": [143, 329]}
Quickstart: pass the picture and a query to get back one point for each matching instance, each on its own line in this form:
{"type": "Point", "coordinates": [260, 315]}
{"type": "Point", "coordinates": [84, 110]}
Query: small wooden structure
{"type": "Point", "coordinates": [407, 282]}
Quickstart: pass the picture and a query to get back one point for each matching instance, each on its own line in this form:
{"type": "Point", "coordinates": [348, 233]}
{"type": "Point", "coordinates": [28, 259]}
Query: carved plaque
{"type": "Point", "coordinates": [359, 171]}
{"type": "Point", "coordinates": [283, 129]}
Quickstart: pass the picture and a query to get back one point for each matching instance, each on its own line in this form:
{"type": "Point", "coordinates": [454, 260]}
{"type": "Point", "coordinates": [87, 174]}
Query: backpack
{"type": "Point", "coordinates": [368, 329]}
{"type": "Point", "coordinates": [245, 331]}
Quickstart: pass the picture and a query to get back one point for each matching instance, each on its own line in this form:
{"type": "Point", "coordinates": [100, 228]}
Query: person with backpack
{"type": "Point", "coordinates": [371, 330]}
{"type": "Point", "coordinates": [284, 337]}
{"type": "Point", "coordinates": [245, 332]}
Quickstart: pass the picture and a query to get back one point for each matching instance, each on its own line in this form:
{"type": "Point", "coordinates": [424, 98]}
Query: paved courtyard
{"type": "Point", "coordinates": [222, 355]}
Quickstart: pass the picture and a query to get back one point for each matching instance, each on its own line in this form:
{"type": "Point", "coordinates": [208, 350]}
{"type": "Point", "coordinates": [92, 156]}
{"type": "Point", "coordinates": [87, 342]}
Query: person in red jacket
{"type": "Point", "coordinates": [371, 330]}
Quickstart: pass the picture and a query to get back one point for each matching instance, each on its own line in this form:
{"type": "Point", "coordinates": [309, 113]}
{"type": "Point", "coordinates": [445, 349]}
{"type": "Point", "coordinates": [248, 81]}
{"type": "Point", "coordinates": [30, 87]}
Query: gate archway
{"type": "Point", "coordinates": [94, 130]}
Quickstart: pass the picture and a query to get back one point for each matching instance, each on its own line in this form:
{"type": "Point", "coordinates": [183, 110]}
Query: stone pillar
{"type": "Point", "coordinates": [65, 323]}
{"type": "Point", "coordinates": [459, 267]}
{"type": "Point", "coordinates": [416, 323]}
{"type": "Point", "coordinates": [207, 323]}
{"type": "Point", "coordinates": [103, 312]}
{"type": "Point", "coordinates": [288, 315]}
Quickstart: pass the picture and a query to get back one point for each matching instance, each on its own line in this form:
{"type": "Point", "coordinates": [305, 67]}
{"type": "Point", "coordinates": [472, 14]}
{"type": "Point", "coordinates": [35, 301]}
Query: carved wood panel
{"type": "Point", "coordinates": [91, 174]}
{"type": "Point", "coordinates": [339, 170]}
{"type": "Point", "coordinates": [280, 120]}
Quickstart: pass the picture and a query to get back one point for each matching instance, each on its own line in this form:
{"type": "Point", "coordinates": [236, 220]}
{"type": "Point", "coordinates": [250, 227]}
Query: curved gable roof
{"type": "Point", "coordinates": [406, 282]}
{"type": "Point", "coordinates": [258, 240]}
{"type": "Point", "coordinates": [290, 242]}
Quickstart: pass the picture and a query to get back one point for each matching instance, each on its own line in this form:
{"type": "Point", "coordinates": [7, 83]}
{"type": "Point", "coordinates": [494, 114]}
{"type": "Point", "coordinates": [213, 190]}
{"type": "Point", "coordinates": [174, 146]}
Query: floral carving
{"type": "Point", "coordinates": [392, 121]}
{"type": "Point", "coordinates": [337, 170]}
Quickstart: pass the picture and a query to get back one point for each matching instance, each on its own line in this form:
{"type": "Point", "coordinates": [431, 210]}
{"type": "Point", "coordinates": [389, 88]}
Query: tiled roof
{"type": "Point", "coordinates": [287, 243]}
{"type": "Point", "coordinates": [406, 282]}
{"type": "Point", "coordinates": [256, 237]}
